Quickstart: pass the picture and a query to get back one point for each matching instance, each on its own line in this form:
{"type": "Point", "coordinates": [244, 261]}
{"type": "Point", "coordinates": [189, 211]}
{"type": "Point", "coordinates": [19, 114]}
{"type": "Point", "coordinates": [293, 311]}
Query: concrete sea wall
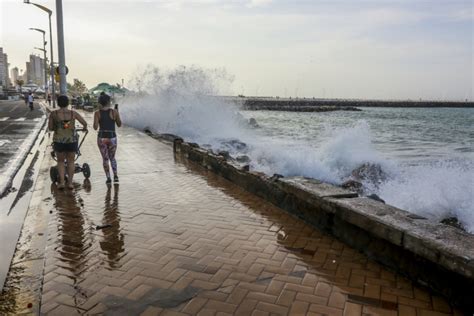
{"type": "Point", "coordinates": [431, 254]}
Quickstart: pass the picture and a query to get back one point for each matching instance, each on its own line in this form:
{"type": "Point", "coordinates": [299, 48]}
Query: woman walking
{"type": "Point", "coordinates": [62, 123]}
{"type": "Point", "coordinates": [30, 100]}
{"type": "Point", "coordinates": [105, 120]}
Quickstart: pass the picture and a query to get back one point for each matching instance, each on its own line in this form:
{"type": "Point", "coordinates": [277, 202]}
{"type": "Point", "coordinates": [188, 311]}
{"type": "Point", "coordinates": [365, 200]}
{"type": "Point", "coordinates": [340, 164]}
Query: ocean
{"type": "Point", "coordinates": [423, 157]}
{"type": "Point", "coordinates": [427, 153]}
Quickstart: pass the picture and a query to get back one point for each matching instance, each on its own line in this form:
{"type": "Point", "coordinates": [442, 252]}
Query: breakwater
{"type": "Point", "coordinates": [312, 105]}
{"type": "Point", "coordinates": [429, 253]}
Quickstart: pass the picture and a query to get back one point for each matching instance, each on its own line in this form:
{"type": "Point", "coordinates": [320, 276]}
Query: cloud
{"type": "Point", "coordinates": [258, 3]}
{"type": "Point", "coordinates": [351, 48]}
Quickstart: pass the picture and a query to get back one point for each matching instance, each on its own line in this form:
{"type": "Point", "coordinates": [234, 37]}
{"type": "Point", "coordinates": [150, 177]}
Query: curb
{"type": "Point", "coordinates": [28, 260]}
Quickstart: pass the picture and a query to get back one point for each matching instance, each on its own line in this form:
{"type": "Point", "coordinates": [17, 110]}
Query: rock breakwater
{"type": "Point", "coordinates": [323, 105]}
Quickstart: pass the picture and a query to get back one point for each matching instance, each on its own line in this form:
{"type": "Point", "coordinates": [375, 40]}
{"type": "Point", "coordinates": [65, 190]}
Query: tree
{"type": "Point", "coordinates": [78, 87]}
{"type": "Point", "coordinates": [20, 83]}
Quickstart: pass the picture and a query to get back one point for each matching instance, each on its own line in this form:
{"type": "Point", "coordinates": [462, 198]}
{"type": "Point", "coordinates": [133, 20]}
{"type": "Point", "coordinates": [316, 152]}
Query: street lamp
{"type": "Point", "coordinates": [50, 46]}
{"type": "Point", "coordinates": [61, 53]}
{"type": "Point", "coordinates": [44, 51]}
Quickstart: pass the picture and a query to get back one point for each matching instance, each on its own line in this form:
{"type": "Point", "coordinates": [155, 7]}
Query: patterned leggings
{"type": "Point", "coordinates": [107, 147]}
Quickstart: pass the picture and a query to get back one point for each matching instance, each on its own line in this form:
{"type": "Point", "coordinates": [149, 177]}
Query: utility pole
{"type": "Point", "coordinates": [51, 62]}
{"type": "Point", "coordinates": [53, 86]}
{"type": "Point", "coordinates": [61, 52]}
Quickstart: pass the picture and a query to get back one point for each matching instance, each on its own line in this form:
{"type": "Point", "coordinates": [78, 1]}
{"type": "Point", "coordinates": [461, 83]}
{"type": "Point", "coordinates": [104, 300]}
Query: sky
{"type": "Point", "coordinates": [369, 49]}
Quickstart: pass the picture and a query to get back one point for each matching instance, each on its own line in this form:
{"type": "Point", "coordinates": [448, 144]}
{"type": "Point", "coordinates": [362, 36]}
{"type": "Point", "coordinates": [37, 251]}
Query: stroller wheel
{"type": "Point", "coordinates": [54, 174]}
{"type": "Point", "coordinates": [86, 170]}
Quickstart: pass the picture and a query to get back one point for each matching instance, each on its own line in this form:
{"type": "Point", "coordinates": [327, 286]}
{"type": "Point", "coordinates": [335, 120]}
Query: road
{"type": "Point", "coordinates": [17, 122]}
{"type": "Point", "coordinates": [18, 131]}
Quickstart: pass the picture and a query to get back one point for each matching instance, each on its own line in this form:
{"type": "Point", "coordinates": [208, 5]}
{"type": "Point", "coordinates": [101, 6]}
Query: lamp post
{"type": "Point", "coordinates": [61, 53]}
{"type": "Point", "coordinates": [45, 61]}
{"type": "Point", "coordinates": [53, 86]}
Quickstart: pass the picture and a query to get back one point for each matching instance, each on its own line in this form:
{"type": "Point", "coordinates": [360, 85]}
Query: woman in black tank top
{"type": "Point", "coordinates": [105, 120]}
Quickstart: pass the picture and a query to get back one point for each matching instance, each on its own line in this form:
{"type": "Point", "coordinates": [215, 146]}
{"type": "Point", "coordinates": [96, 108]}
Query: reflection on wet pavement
{"type": "Point", "coordinates": [173, 237]}
{"type": "Point", "coordinates": [113, 240]}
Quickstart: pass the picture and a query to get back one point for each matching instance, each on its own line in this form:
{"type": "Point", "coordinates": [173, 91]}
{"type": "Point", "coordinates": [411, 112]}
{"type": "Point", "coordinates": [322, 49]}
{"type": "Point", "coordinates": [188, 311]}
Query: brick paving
{"type": "Point", "coordinates": [182, 241]}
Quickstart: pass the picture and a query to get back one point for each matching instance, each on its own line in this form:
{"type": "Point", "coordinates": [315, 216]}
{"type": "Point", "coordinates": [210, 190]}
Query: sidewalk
{"type": "Point", "coordinates": [181, 241]}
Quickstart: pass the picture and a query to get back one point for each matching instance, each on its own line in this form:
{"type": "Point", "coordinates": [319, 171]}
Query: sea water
{"type": "Point", "coordinates": [427, 154]}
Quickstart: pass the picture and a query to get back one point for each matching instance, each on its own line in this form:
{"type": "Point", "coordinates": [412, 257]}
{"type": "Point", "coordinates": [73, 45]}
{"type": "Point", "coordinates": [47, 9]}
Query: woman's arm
{"type": "Point", "coordinates": [118, 121]}
{"type": "Point", "coordinates": [81, 120]}
{"type": "Point", "coordinates": [96, 120]}
{"type": "Point", "coordinates": [51, 122]}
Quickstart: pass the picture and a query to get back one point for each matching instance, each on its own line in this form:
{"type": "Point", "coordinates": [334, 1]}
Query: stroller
{"type": "Point", "coordinates": [85, 169]}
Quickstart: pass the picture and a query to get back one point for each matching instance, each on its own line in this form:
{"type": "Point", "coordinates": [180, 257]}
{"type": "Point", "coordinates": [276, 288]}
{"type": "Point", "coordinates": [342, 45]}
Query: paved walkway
{"type": "Point", "coordinates": [182, 241]}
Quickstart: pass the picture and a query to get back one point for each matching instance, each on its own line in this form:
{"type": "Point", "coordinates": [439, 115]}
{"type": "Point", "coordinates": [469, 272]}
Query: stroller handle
{"type": "Point", "coordinates": [85, 135]}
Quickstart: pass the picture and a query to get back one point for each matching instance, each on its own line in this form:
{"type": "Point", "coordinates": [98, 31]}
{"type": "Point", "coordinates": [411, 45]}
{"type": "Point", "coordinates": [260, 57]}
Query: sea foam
{"type": "Point", "coordinates": [182, 102]}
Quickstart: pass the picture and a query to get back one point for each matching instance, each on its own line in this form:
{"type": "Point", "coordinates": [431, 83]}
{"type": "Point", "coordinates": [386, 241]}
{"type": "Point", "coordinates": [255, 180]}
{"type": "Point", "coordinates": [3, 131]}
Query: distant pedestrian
{"type": "Point", "coordinates": [25, 96]}
{"type": "Point", "coordinates": [105, 120]}
{"type": "Point", "coordinates": [49, 99]}
{"type": "Point", "coordinates": [30, 100]}
{"type": "Point", "coordinates": [62, 122]}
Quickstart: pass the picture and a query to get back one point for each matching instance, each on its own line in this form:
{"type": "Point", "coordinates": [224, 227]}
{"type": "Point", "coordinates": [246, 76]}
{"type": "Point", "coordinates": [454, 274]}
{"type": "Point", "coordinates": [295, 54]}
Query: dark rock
{"type": "Point", "coordinates": [376, 198]}
{"type": "Point", "coordinates": [246, 168]}
{"type": "Point", "coordinates": [234, 144]}
{"type": "Point", "coordinates": [452, 221]}
{"type": "Point", "coordinates": [225, 154]}
{"type": "Point", "coordinates": [253, 122]}
{"type": "Point", "coordinates": [243, 159]}
{"type": "Point", "coordinates": [353, 185]}
{"type": "Point", "coordinates": [276, 176]}
{"type": "Point", "coordinates": [194, 145]}
{"type": "Point", "coordinates": [169, 137]}
{"type": "Point", "coordinates": [370, 172]}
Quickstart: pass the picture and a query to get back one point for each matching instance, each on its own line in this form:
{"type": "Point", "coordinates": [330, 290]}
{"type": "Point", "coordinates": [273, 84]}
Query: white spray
{"type": "Point", "coordinates": [182, 102]}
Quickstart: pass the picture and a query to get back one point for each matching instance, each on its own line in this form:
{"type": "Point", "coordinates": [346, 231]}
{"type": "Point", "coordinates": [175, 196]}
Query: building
{"type": "Point", "coordinates": [4, 76]}
{"type": "Point", "coordinates": [14, 75]}
{"type": "Point", "coordinates": [35, 70]}
{"type": "Point", "coordinates": [7, 72]}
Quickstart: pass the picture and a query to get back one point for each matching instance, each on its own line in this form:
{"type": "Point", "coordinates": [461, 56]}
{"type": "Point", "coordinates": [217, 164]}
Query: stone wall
{"type": "Point", "coordinates": [429, 253]}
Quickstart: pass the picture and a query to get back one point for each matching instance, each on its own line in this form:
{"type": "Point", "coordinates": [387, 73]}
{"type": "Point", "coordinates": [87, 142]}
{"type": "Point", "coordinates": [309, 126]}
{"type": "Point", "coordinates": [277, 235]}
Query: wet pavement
{"type": "Point", "coordinates": [174, 239]}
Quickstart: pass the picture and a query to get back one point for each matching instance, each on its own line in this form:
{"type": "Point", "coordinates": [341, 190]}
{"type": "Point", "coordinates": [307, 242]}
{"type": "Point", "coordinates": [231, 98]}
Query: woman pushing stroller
{"type": "Point", "coordinates": [65, 142]}
{"type": "Point", "coordinates": [105, 120]}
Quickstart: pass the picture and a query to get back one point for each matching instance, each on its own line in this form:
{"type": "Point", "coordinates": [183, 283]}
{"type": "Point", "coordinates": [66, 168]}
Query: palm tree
{"type": "Point", "coordinates": [20, 83]}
